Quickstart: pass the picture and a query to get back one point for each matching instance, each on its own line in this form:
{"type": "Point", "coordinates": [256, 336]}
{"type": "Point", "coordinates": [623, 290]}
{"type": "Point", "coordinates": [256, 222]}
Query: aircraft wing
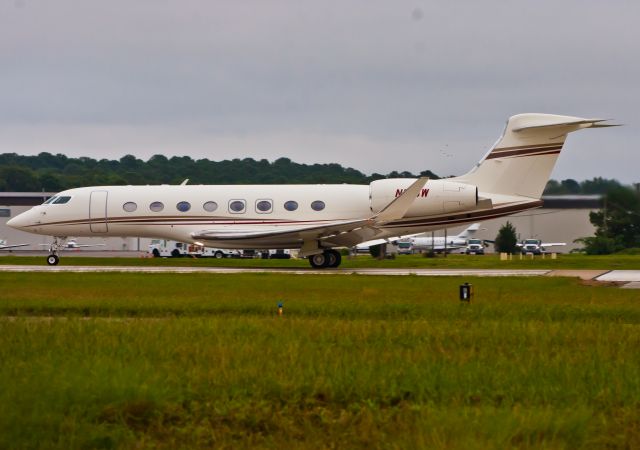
{"type": "Point", "coordinates": [301, 232]}
{"type": "Point", "coordinates": [87, 245]}
{"type": "Point", "coordinates": [7, 247]}
{"type": "Point", "coordinates": [338, 233]}
{"type": "Point", "coordinates": [552, 244]}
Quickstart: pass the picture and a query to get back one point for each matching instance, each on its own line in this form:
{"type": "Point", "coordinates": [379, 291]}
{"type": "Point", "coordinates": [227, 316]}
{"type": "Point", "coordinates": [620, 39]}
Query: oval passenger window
{"type": "Point", "coordinates": [130, 207]}
{"type": "Point", "coordinates": [317, 205]}
{"type": "Point", "coordinates": [263, 206]}
{"type": "Point", "coordinates": [236, 206]}
{"type": "Point", "coordinates": [210, 206]}
{"type": "Point", "coordinates": [291, 205]}
{"type": "Point", "coordinates": [156, 206]}
{"type": "Point", "coordinates": [183, 206]}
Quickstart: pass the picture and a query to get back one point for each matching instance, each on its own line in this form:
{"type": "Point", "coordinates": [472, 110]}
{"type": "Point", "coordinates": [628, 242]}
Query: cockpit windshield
{"type": "Point", "coordinates": [58, 200]}
{"type": "Point", "coordinates": [531, 241]}
{"type": "Point", "coordinates": [62, 200]}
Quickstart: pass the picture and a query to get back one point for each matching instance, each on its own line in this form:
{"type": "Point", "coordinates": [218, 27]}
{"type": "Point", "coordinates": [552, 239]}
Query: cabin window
{"type": "Point", "coordinates": [130, 207]}
{"type": "Point", "coordinates": [317, 205]}
{"type": "Point", "coordinates": [62, 200]}
{"type": "Point", "coordinates": [291, 205]}
{"type": "Point", "coordinates": [210, 206]}
{"type": "Point", "coordinates": [237, 206]}
{"type": "Point", "coordinates": [183, 206]}
{"type": "Point", "coordinates": [156, 206]}
{"type": "Point", "coordinates": [264, 206]}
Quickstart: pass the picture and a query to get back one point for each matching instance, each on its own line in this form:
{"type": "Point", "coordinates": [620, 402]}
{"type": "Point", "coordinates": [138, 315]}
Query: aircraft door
{"type": "Point", "coordinates": [98, 211]}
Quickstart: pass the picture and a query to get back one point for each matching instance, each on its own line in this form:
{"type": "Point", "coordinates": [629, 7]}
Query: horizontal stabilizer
{"type": "Point", "coordinates": [549, 122]}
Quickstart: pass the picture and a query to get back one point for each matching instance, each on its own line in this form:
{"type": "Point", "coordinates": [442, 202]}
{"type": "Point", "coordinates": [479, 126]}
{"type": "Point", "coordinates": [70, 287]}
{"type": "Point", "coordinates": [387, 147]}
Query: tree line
{"type": "Point", "coordinates": [53, 173]}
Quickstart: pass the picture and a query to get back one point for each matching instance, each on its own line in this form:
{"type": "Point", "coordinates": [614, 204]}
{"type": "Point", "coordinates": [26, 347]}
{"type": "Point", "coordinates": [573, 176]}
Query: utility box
{"type": "Point", "coordinates": [466, 292]}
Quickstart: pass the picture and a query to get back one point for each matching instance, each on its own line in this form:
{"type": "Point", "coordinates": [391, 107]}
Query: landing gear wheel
{"type": "Point", "coordinates": [328, 258]}
{"type": "Point", "coordinates": [334, 258]}
{"type": "Point", "coordinates": [318, 261]}
{"type": "Point", "coordinates": [52, 260]}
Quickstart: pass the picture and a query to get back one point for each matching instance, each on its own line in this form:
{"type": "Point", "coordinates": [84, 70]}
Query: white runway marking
{"type": "Point", "coordinates": [231, 270]}
{"type": "Point", "coordinates": [631, 277]}
{"type": "Point", "coordinates": [620, 275]}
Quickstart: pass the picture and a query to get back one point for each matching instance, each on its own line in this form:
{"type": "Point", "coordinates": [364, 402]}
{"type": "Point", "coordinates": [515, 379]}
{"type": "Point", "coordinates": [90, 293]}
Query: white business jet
{"type": "Point", "coordinates": [5, 246]}
{"type": "Point", "coordinates": [316, 219]}
{"type": "Point", "coordinates": [423, 242]}
{"type": "Point", "coordinates": [72, 244]}
{"type": "Point", "coordinates": [439, 243]}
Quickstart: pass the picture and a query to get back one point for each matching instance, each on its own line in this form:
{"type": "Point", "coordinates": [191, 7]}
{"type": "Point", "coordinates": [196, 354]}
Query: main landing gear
{"type": "Point", "coordinates": [58, 243]}
{"type": "Point", "coordinates": [327, 259]}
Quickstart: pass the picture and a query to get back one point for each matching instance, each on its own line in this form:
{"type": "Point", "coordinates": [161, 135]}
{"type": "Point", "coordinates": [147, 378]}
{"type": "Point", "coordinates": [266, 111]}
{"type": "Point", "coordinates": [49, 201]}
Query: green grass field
{"type": "Point", "coordinates": [204, 361]}
{"type": "Point", "coordinates": [491, 261]}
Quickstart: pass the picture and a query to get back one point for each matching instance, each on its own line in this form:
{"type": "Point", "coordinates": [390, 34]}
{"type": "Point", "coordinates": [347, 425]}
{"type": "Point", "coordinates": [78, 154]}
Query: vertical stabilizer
{"type": "Point", "coordinates": [469, 231]}
{"type": "Point", "coordinates": [520, 163]}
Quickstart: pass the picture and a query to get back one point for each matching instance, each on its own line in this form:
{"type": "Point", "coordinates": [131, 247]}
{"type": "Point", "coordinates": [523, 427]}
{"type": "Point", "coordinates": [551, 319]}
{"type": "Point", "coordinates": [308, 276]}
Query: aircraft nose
{"type": "Point", "coordinates": [18, 222]}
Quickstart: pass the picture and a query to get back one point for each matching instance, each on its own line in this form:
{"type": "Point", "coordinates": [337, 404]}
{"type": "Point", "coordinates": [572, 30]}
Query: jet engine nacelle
{"type": "Point", "coordinates": [436, 197]}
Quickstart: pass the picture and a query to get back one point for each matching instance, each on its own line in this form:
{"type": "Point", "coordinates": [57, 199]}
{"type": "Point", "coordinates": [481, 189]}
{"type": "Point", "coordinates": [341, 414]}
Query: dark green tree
{"type": "Point", "coordinates": [617, 223]}
{"type": "Point", "coordinates": [506, 239]}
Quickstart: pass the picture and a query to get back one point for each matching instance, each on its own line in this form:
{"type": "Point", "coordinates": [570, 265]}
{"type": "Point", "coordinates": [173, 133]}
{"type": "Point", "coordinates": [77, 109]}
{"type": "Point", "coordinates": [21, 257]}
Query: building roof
{"type": "Point", "coordinates": [572, 201]}
{"type": "Point", "coordinates": [23, 198]}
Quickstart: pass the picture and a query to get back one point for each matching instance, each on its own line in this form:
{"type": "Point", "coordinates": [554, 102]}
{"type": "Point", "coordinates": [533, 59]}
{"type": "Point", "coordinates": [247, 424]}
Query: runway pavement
{"type": "Point", "coordinates": [629, 279]}
{"type": "Point", "coordinates": [230, 270]}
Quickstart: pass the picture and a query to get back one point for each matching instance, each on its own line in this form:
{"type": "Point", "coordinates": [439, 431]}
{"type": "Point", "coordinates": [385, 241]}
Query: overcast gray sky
{"type": "Point", "coordinates": [375, 85]}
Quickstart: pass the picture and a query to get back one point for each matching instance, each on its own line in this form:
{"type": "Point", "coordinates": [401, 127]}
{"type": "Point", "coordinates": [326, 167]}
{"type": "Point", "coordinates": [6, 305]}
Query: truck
{"type": "Point", "coordinates": [162, 248]}
{"type": "Point", "coordinates": [474, 247]}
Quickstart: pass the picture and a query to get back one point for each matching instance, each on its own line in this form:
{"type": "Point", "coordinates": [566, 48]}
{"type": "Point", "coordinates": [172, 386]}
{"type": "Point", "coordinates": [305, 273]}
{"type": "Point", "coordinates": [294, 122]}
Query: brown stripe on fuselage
{"type": "Point", "coordinates": [524, 152]}
{"type": "Point", "coordinates": [529, 146]}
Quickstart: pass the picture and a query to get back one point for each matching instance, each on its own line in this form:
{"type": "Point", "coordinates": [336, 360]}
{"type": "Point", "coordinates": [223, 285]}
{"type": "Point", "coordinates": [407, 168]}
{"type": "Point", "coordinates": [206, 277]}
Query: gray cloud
{"type": "Point", "coordinates": [376, 85]}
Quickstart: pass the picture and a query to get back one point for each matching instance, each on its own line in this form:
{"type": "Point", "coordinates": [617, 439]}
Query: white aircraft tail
{"type": "Point", "coordinates": [520, 163]}
{"type": "Point", "coordinates": [469, 231]}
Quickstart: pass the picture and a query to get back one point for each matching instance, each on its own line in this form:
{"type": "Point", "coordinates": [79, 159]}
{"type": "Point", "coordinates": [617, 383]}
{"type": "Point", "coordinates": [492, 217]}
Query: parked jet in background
{"type": "Point", "coordinates": [422, 242]}
{"type": "Point", "coordinates": [5, 246]}
{"type": "Point", "coordinates": [71, 244]}
{"type": "Point", "coordinates": [317, 219]}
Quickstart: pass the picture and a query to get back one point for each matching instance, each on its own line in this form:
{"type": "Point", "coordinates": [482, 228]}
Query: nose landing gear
{"type": "Point", "coordinates": [327, 259]}
{"type": "Point", "coordinates": [58, 243]}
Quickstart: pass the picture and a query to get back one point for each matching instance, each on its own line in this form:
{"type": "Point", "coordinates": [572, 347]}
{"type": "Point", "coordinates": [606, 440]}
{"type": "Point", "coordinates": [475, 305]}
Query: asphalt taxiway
{"type": "Point", "coordinates": [627, 278]}
{"type": "Point", "coordinates": [230, 270]}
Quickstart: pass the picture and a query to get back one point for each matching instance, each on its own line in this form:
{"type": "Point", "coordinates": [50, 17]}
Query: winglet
{"type": "Point", "coordinates": [400, 205]}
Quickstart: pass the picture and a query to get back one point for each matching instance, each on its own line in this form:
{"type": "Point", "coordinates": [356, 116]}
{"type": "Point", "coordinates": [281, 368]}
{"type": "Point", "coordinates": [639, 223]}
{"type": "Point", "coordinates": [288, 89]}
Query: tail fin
{"type": "Point", "coordinates": [520, 163]}
{"type": "Point", "coordinates": [469, 231]}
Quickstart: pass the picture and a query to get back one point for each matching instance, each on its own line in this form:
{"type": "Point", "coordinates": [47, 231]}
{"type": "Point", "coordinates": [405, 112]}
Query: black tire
{"type": "Point", "coordinates": [53, 260]}
{"type": "Point", "coordinates": [334, 258]}
{"type": "Point", "coordinates": [218, 255]}
{"type": "Point", "coordinates": [156, 253]}
{"type": "Point", "coordinates": [318, 261]}
{"type": "Point", "coordinates": [176, 253]}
